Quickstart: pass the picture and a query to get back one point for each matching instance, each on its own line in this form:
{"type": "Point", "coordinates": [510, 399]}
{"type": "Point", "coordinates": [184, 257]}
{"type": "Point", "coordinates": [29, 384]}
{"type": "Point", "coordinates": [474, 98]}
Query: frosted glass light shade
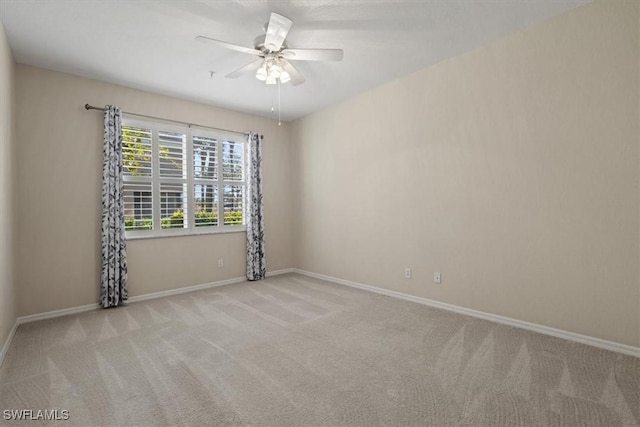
{"type": "Point", "coordinates": [261, 74]}
{"type": "Point", "coordinates": [274, 71]}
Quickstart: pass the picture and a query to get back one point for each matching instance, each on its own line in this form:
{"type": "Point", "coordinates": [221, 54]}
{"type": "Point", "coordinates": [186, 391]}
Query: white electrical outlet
{"type": "Point", "coordinates": [437, 278]}
{"type": "Point", "coordinates": [220, 263]}
{"type": "Point", "coordinates": [407, 273]}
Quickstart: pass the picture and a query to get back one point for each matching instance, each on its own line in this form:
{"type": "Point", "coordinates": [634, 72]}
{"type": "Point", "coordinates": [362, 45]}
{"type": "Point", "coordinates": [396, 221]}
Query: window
{"type": "Point", "coordinates": [181, 180]}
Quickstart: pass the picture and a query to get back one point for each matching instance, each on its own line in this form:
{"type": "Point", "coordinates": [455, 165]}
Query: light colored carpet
{"type": "Point", "coordinates": [296, 351]}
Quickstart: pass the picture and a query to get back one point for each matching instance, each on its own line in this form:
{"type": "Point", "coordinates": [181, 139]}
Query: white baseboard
{"type": "Point", "coordinates": [559, 333]}
{"type": "Point", "coordinates": [186, 289]}
{"type": "Point", "coordinates": [279, 272]}
{"type": "Point", "coordinates": [202, 286]}
{"type": "Point", "coordinates": [7, 342]}
{"type": "Point", "coordinates": [56, 313]}
{"type": "Point", "coordinates": [138, 298]}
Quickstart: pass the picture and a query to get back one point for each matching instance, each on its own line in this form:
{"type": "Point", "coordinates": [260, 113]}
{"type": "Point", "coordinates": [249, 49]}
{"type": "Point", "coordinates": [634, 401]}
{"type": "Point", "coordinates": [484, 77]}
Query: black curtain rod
{"type": "Point", "coordinates": [91, 107]}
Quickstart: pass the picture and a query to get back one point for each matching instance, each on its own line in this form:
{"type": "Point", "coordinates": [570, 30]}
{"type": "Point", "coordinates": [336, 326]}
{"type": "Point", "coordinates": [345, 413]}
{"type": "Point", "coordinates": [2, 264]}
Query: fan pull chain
{"type": "Point", "coordinates": [279, 122]}
{"type": "Point", "coordinates": [273, 96]}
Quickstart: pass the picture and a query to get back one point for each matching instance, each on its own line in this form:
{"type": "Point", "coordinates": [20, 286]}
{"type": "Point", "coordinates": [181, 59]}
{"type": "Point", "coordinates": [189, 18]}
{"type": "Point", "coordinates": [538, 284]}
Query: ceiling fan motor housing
{"type": "Point", "coordinates": [258, 43]}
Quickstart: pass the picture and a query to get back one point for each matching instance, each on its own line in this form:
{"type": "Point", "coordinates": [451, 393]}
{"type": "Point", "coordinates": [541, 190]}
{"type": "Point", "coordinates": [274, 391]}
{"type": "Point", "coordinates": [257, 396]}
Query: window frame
{"type": "Point", "coordinates": [190, 181]}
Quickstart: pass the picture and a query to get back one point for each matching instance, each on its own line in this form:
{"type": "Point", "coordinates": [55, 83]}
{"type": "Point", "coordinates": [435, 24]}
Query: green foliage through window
{"type": "Point", "coordinates": [130, 223]}
{"type": "Point", "coordinates": [136, 151]}
{"type": "Point", "coordinates": [203, 218]}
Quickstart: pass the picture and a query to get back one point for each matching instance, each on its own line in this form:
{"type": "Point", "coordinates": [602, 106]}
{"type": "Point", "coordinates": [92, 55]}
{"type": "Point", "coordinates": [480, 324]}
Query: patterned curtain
{"type": "Point", "coordinates": [256, 265]}
{"type": "Point", "coordinates": [113, 287]}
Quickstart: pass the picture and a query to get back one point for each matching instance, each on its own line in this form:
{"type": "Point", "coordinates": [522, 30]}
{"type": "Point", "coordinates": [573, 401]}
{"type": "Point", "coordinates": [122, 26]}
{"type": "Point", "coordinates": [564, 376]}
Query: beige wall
{"type": "Point", "coordinates": [59, 179]}
{"type": "Point", "coordinates": [8, 291]}
{"type": "Point", "coordinates": [512, 170]}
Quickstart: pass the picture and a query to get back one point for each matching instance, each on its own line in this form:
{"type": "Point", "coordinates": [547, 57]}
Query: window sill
{"type": "Point", "coordinates": [152, 235]}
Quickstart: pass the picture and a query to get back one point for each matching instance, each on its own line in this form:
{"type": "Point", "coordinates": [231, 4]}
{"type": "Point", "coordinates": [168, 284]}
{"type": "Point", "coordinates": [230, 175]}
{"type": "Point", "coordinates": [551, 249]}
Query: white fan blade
{"type": "Point", "coordinates": [226, 45]}
{"type": "Point", "coordinates": [296, 77]}
{"type": "Point", "coordinates": [247, 68]}
{"type": "Point", "coordinates": [313, 54]}
{"type": "Point", "coordinates": [277, 31]}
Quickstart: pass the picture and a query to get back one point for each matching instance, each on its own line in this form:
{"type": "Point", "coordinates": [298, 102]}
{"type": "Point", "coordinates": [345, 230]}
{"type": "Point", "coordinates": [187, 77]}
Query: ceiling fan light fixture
{"type": "Point", "coordinates": [261, 74]}
{"type": "Point", "coordinates": [275, 71]}
{"type": "Point", "coordinates": [272, 65]}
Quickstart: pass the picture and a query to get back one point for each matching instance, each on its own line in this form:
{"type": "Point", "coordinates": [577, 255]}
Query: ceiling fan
{"type": "Point", "coordinates": [273, 65]}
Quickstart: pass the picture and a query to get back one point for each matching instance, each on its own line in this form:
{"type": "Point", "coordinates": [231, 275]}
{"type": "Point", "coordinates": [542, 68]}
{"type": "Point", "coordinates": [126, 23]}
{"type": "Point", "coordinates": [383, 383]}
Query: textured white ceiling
{"type": "Point", "coordinates": [150, 44]}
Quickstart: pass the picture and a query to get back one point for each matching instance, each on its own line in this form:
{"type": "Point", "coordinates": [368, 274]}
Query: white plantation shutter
{"type": "Point", "coordinates": [233, 204]}
{"type": "Point", "coordinates": [233, 172]}
{"type": "Point", "coordinates": [172, 155]}
{"type": "Point", "coordinates": [205, 158]}
{"type": "Point", "coordinates": [232, 161]}
{"type": "Point", "coordinates": [138, 206]}
{"type": "Point", "coordinates": [173, 205]}
{"type": "Point", "coordinates": [137, 171]}
{"type": "Point", "coordinates": [180, 180]}
{"type": "Point", "coordinates": [172, 179]}
{"type": "Point", "coordinates": [206, 205]}
{"type": "Point", "coordinates": [136, 151]}
{"type": "Point", "coordinates": [205, 175]}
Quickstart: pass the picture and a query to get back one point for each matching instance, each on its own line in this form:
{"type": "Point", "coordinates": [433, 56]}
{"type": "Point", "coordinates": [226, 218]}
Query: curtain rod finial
{"type": "Point", "coordinates": [86, 106]}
